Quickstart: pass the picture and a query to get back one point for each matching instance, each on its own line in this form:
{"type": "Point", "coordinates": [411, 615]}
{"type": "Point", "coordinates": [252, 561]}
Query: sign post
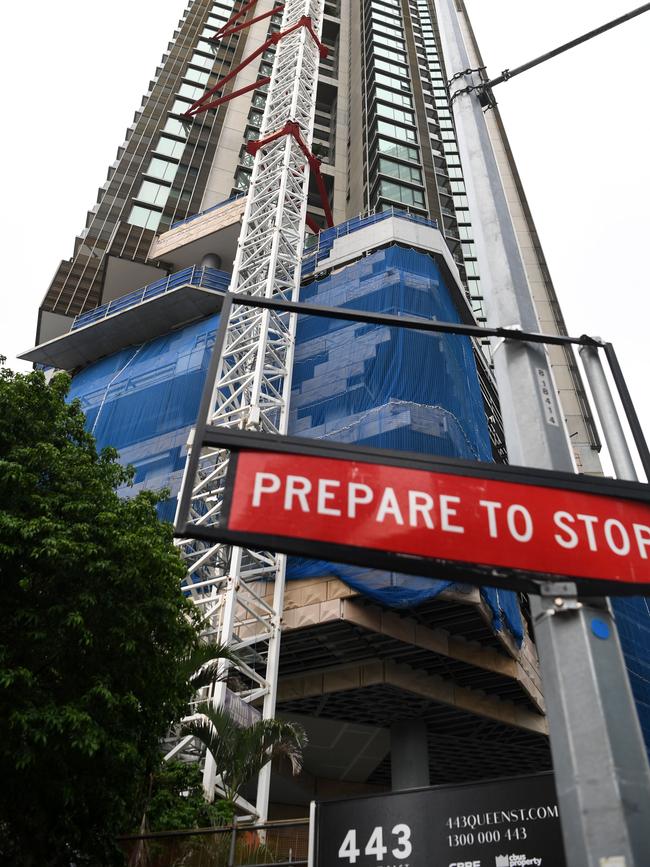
{"type": "Point", "coordinates": [602, 773]}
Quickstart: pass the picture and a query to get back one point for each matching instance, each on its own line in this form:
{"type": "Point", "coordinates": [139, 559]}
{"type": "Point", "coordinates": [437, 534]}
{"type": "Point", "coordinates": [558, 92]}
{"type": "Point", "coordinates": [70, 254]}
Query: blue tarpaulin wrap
{"type": "Point", "coordinates": [633, 623]}
{"type": "Point", "coordinates": [388, 388]}
{"type": "Point", "coordinates": [143, 402]}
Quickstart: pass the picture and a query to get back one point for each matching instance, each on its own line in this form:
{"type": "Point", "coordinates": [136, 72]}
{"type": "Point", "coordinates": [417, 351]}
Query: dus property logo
{"type": "Point", "coordinates": [516, 861]}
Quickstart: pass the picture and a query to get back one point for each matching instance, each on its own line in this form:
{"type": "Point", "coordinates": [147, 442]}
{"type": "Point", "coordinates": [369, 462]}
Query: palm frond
{"type": "Point", "coordinates": [205, 664]}
{"type": "Point", "coordinates": [241, 753]}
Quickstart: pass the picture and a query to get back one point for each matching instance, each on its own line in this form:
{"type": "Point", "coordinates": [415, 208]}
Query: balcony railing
{"type": "Point", "coordinates": [206, 278]}
{"type": "Point", "coordinates": [322, 245]}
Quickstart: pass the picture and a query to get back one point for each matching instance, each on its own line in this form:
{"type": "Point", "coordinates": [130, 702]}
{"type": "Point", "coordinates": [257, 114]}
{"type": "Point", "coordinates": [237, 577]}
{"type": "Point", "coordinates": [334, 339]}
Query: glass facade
{"type": "Point", "coordinates": [325, 118]}
{"type": "Point", "coordinates": [394, 171]}
{"type": "Point", "coordinates": [157, 178]}
{"type": "Point", "coordinates": [451, 186]}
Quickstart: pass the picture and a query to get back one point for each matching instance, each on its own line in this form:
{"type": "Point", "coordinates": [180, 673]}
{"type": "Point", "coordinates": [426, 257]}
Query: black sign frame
{"type": "Point", "coordinates": [467, 572]}
{"type": "Point", "coordinates": [236, 440]}
{"type": "Point", "coordinates": [489, 822]}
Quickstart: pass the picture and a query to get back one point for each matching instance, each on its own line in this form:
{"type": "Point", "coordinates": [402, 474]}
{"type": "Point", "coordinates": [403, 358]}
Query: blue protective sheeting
{"type": "Point", "coordinates": [633, 622]}
{"type": "Point", "coordinates": [390, 388]}
{"type": "Point", "coordinates": [143, 402]}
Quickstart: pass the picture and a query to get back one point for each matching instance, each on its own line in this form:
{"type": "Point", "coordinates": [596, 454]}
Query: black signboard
{"type": "Point", "coordinates": [500, 823]}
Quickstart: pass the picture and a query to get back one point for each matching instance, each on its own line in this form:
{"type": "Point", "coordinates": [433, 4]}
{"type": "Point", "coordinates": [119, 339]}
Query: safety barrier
{"type": "Point", "coordinates": [206, 278]}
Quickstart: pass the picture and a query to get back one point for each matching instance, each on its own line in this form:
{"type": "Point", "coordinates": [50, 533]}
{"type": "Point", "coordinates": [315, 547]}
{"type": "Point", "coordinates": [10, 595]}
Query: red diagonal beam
{"type": "Point", "coordinates": [250, 5]}
{"type": "Point", "coordinates": [312, 224]}
{"type": "Point", "coordinates": [235, 93]}
{"type": "Point", "coordinates": [292, 128]}
{"type": "Point", "coordinates": [322, 189]}
{"type": "Point", "coordinates": [199, 106]}
{"type": "Point", "coordinates": [232, 30]}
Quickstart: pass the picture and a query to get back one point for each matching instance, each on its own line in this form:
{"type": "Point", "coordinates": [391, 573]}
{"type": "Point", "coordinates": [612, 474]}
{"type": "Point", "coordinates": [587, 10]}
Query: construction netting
{"type": "Point", "coordinates": [354, 383]}
{"type": "Point", "coordinates": [390, 388]}
{"type": "Point", "coordinates": [633, 624]}
{"type": "Point", "coordinates": [144, 400]}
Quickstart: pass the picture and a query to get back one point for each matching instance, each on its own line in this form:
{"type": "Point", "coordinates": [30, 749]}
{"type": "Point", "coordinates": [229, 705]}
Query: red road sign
{"type": "Point", "coordinates": [422, 520]}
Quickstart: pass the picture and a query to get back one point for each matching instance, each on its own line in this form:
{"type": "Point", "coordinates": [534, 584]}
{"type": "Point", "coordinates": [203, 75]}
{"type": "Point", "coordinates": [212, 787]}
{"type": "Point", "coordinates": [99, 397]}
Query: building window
{"type": "Point", "coordinates": [191, 91]}
{"type": "Point", "coordinates": [399, 56]}
{"type": "Point", "coordinates": [169, 147]}
{"type": "Point", "coordinates": [242, 179]}
{"type": "Point", "coordinates": [207, 47]}
{"type": "Point", "coordinates": [396, 149]}
{"type": "Point", "coordinates": [395, 131]}
{"type": "Point", "coordinates": [180, 106]}
{"type": "Point", "coordinates": [382, 12]}
{"type": "Point", "coordinates": [391, 81]}
{"type": "Point", "coordinates": [197, 75]}
{"type": "Point", "coordinates": [154, 194]}
{"type": "Point", "coordinates": [394, 98]}
{"type": "Point", "coordinates": [162, 169]}
{"type": "Point", "coordinates": [393, 32]}
{"type": "Point", "coordinates": [144, 217]}
{"type": "Point", "coordinates": [202, 60]}
{"type": "Point", "coordinates": [393, 68]}
{"type": "Point", "coordinates": [395, 114]}
{"type": "Point", "coordinates": [405, 195]}
{"type": "Point", "coordinates": [399, 170]}
{"type": "Point", "coordinates": [389, 43]}
{"type": "Point", "coordinates": [176, 127]}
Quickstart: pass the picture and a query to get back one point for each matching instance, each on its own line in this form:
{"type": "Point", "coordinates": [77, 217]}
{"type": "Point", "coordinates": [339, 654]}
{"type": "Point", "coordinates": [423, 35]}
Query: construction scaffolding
{"type": "Point", "coordinates": [254, 375]}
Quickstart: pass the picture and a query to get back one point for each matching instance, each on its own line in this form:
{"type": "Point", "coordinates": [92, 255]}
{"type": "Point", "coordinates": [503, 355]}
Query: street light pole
{"type": "Point", "coordinates": [601, 767]}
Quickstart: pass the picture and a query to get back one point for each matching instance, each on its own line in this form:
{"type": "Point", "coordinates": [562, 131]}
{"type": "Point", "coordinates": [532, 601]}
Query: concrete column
{"type": "Point", "coordinates": [409, 754]}
{"type": "Point", "coordinates": [211, 260]}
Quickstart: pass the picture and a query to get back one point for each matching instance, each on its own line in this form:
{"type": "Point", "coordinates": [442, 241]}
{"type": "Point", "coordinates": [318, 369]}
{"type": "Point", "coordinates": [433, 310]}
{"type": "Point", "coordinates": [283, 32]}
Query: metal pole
{"type": "Point", "coordinates": [606, 409]}
{"type": "Point", "coordinates": [507, 74]}
{"type": "Point", "coordinates": [601, 767]}
{"type": "Point", "coordinates": [628, 406]}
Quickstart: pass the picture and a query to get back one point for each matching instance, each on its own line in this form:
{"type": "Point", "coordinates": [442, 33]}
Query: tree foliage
{"type": "Point", "coordinates": [178, 801]}
{"type": "Point", "coordinates": [93, 633]}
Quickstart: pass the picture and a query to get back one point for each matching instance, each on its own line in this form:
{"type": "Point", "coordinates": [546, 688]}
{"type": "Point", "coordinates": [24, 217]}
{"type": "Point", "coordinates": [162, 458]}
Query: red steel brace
{"type": "Point", "coordinates": [235, 93]}
{"type": "Point", "coordinates": [292, 128]}
{"type": "Point", "coordinates": [232, 30]}
{"type": "Point", "coordinates": [313, 225]}
{"type": "Point", "coordinates": [250, 5]}
{"type": "Point", "coordinates": [200, 106]}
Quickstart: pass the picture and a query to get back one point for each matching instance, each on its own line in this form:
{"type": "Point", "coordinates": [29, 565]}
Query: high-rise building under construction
{"type": "Point", "coordinates": [376, 666]}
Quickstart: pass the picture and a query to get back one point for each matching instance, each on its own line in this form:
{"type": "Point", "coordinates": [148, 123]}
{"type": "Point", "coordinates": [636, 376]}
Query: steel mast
{"type": "Point", "coordinates": [241, 591]}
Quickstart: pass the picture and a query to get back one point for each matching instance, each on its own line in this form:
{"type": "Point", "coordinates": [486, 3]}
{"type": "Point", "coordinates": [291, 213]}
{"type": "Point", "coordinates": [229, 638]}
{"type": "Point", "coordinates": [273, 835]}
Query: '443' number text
{"type": "Point", "coordinates": [375, 845]}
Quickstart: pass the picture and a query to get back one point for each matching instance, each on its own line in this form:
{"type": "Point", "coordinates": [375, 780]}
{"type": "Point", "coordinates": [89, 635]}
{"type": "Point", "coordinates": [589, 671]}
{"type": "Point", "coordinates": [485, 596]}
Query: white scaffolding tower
{"type": "Point", "coordinates": [241, 591]}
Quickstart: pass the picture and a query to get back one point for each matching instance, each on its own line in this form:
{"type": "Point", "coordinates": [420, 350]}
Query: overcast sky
{"type": "Point", "coordinates": [74, 73]}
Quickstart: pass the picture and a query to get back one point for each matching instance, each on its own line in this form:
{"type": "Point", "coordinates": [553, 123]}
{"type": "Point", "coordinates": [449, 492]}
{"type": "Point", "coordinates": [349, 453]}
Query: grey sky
{"type": "Point", "coordinates": [75, 71]}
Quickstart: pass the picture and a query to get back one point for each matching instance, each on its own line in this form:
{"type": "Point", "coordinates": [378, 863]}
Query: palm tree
{"type": "Point", "coordinates": [205, 665]}
{"type": "Point", "coordinates": [240, 753]}
{"type": "Point", "coordinates": [202, 667]}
